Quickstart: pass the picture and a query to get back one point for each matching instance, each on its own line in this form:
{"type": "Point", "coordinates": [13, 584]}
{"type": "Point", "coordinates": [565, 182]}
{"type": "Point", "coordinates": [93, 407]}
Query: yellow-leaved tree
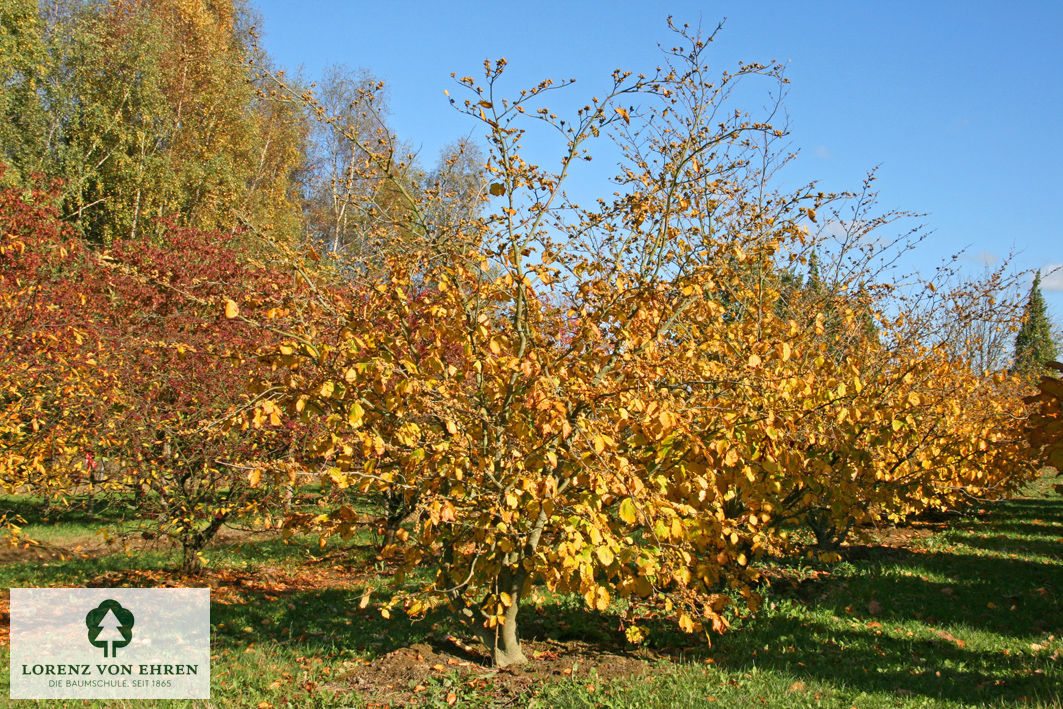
{"type": "Point", "coordinates": [622, 400]}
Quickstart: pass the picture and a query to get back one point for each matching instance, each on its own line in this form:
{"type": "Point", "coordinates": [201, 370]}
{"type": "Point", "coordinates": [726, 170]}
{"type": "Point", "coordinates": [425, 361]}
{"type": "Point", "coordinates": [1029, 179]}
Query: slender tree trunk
{"type": "Point", "coordinates": [193, 543]}
{"type": "Point", "coordinates": [397, 510]}
{"type": "Point", "coordinates": [504, 643]}
{"type": "Point", "coordinates": [829, 537]}
{"type": "Point", "coordinates": [191, 565]}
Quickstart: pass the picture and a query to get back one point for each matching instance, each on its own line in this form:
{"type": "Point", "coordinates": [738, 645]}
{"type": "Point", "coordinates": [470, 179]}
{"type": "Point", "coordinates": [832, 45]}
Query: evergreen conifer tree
{"type": "Point", "coordinates": [1034, 345]}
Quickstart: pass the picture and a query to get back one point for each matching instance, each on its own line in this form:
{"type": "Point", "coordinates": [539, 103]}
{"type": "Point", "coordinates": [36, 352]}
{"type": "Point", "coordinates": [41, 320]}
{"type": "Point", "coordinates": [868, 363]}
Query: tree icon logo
{"type": "Point", "coordinates": [110, 626]}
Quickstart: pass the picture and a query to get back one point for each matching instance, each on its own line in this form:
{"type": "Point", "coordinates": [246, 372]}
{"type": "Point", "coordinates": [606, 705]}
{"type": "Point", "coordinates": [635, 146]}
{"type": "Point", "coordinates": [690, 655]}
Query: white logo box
{"type": "Point", "coordinates": [110, 643]}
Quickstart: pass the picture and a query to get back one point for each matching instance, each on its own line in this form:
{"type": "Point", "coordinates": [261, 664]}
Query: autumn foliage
{"type": "Point", "coordinates": [1046, 423]}
{"type": "Point", "coordinates": [634, 401]}
{"type": "Point", "coordinates": [119, 369]}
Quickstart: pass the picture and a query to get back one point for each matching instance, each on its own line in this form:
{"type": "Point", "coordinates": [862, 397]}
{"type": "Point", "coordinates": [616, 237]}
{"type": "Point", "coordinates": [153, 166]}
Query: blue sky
{"type": "Point", "coordinates": [958, 103]}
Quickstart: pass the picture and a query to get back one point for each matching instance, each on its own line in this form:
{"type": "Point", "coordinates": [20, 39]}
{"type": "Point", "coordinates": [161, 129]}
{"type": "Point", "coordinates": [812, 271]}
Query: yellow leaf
{"type": "Point", "coordinates": [605, 555]}
{"type": "Point", "coordinates": [497, 189]}
{"type": "Point", "coordinates": [338, 478]}
{"type": "Point", "coordinates": [231, 309]}
{"type": "Point", "coordinates": [355, 415]}
{"type": "Point", "coordinates": [601, 600]}
{"type": "Point", "coordinates": [624, 114]}
{"type": "Point", "coordinates": [627, 511]}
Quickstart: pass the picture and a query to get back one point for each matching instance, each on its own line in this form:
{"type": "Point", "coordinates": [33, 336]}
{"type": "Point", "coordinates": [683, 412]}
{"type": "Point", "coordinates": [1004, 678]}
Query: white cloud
{"type": "Point", "coordinates": [853, 230]}
{"type": "Point", "coordinates": [983, 257]}
{"type": "Point", "coordinates": [1052, 277]}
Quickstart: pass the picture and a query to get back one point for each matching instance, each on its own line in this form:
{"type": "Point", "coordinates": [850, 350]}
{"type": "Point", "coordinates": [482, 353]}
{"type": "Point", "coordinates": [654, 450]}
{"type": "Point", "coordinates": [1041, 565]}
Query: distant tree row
{"type": "Point", "coordinates": [158, 109]}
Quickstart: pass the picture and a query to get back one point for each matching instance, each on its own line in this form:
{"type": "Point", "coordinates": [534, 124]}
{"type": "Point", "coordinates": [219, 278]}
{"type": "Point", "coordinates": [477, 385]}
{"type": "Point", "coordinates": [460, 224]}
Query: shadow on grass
{"type": "Point", "coordinates": [979, 592]}
{"type": "Point", "coordinates": [1025, 509]}
{"type": "Point", "coordinates": [869, 660]}
{"type": "Point", "coordinates": [102, 508]}
{"type": "Point", "coordinates": [964, 585]}
{"type": "Point", "coordinates": [323, 621]}
{"type": "Point", "coordinates": [1005, 544]}
{"type": "Point", "coordinates": [1036, 528]}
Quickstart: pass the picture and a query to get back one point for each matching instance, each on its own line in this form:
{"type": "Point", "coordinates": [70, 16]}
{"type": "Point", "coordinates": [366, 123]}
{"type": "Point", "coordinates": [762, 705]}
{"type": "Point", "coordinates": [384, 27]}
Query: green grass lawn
{"type": "Point", "coordinates": [969, 615]}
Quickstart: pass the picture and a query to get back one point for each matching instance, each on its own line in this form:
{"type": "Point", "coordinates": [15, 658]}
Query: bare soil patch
{"type": "Point", "coordinates": [400, 677]}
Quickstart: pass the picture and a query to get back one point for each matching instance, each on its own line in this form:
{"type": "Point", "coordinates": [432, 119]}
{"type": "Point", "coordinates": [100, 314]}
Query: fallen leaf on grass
{"type": "Point", "coordinates": [950, 637]}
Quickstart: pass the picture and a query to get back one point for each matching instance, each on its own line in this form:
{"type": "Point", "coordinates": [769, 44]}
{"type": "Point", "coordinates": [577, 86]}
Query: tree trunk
{"type": "Point", "coordinates": [190, 561]}
{"type": "Point", "coordinates": [398, 510]}
{"type": "Point", "coordinates": [502, 642]}
{"type": "Point", "coordinates": [829, 537]}
{"type": "Point", "coordinates": [191, 544]}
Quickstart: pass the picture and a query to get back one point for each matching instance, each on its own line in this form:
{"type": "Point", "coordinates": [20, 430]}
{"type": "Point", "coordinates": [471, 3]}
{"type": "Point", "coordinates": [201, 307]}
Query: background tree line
{"type": "Point", "coordinates": [153, 170]}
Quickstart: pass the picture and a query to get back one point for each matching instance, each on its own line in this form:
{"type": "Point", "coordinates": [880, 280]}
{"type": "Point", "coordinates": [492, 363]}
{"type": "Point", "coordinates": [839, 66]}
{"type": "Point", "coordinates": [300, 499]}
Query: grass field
{"type": "Point", "coordinates": [963, 613]}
